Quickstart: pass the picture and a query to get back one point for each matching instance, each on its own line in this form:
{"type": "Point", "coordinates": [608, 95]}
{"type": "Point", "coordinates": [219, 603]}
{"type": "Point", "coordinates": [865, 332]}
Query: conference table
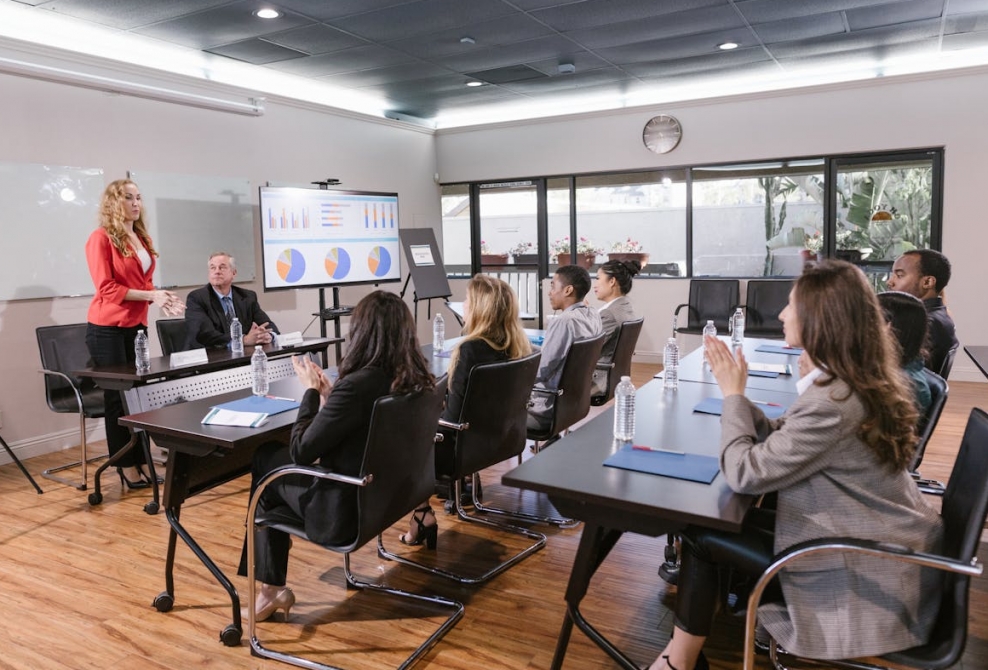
{"type": "Point", "coordinates": [611, 501]}
{"type": "Point", "coordinates": [979, 354]}
{"type": "Point", "coordinates": [222, 370]}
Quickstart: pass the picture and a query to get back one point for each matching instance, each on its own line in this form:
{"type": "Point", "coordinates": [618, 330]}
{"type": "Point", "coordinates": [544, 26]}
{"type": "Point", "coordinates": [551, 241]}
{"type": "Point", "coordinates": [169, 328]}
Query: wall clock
{"type": "Point", "coordinates": [662, 134]}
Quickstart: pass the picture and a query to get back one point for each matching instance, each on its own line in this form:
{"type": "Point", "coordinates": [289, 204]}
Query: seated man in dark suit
{"type": "Point", "coordinates": [210, 309]}
{"type": "Point", "coordinates": [924, 273]}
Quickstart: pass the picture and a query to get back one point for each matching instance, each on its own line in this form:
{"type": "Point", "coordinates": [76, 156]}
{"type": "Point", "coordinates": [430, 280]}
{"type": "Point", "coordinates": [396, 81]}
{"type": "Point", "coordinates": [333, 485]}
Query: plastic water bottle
{"type": "Point", "coordinates": [438, 333]}
{"type": "Point", "coordinates": [737, 329]}
{"type": "Point", "coordinates": [709, 329]}
{"type": "Point", "coordinates": [142, 352]}
{"type": "Point", "coordinates": [236, 337]}
{"type": "Point", "coordinates": [259, 371]}
{"type": "Point", "coordinates": [670, 363]}
{"type": "Point", "coordinates": [624, 410]}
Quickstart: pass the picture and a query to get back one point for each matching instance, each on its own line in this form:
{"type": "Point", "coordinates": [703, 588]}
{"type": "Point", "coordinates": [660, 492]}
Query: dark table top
{"type": "Point", "coordinates": [980, 357]}
{"type": "Point", "coordinates": [125, 376]}
{"type": "Point", "coordinates": [691, 368]}
{"type": "Point", "coordinates": [572, 473]}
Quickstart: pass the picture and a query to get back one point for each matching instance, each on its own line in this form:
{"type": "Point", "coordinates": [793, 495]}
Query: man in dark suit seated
{"type": "Point", "coordinates": [210, 309]}
{"type": "Point", "coordinates": [924, 273]}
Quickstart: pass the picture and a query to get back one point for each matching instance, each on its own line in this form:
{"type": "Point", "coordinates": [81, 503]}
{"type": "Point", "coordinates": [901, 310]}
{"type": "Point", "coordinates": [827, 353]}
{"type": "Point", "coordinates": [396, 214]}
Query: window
{"type": "Point", "coordinates": [455, 203]}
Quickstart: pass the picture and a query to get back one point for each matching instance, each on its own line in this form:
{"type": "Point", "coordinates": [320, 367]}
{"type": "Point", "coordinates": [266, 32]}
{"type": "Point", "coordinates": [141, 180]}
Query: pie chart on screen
{"type": "Point", "coordinates": [379, 261]}
{"type": "Point", "coordinates": [337, 263]}
{"type": "Point", "coordinates": [291, 265]}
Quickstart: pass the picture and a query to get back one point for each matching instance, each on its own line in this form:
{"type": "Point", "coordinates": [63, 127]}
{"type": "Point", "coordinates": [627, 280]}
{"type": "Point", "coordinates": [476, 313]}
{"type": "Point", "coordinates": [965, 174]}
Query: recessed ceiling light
{"type": "Point", "coordinates": [467, 40]}
{"type": "Point", "coordinates": [727, 46]}
{"type": "Point", "coordinates": [267, 13]}
{"type": "Point", "coordinates": [473, 84]}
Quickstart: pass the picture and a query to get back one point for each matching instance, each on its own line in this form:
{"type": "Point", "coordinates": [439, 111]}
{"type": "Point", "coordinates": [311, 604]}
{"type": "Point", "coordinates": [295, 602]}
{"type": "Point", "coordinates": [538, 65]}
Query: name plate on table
{"type": "Point", "coordinates": [290, 339]}
{"type": "Point", "coordinates": [774, 369]}
{"type": "Point", "coordinates": [180, 358]}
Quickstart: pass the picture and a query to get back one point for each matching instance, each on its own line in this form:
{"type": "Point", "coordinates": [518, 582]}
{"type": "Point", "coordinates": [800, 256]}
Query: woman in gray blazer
{"type": "Point", "coordinates": [838, 461]}
{"type": "Point", "coordinates": [612, 288]}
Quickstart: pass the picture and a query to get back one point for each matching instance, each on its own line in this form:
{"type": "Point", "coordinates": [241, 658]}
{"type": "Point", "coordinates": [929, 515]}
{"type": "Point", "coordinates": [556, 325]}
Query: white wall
{"type": "Point", "coordinates": [946, 110]}
{"type": "Point", "coordinates": [52, 123]}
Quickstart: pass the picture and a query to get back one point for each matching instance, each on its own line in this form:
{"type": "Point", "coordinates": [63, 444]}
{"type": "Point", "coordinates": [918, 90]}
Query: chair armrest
{"type": "Point", "coordinates": [453, 426]}
{"type": "Point", "coordinates": [78, 395]}
{"type": "Point", "coordinates": [550, 392]}
{"type": "Point", "coordinates": [842, 545]}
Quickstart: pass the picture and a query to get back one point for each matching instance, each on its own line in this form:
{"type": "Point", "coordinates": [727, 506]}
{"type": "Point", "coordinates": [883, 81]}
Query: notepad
{"type": "Point", "coordinates": [779, 349]}
{"type": "Point", "coordinates": [716, 406]}
{"type": "Point", "coordinates": [225, 417]}
{"type": "Point", "coordinates": [260, 404]}
{"type": "Point", "coordinates": [691, 467]}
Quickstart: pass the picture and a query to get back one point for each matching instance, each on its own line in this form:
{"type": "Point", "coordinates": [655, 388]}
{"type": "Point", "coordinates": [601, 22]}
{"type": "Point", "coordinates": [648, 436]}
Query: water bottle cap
{"type": "Point", "coordinates": [672, 340]}
{"type": "Point", "coordinates": [710, 322]}
{"type": "Point", "coordinates": [625, 378]}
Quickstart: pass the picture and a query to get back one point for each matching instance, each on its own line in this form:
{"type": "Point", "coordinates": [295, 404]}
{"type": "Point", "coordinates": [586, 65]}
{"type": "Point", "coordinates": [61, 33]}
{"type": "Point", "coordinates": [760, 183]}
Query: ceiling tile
{"type": "Point", "coordinates": [315, 39]}
{"type": "Point", "coordinates": [382, 76]}
{"type": "Point", "coordinates": [132, 13]}
{"type": "Point", "coordinates": [965, 41]}
{"type": "Point", "coordinates": [899, 12]}
{"type": "Point", "coordinates": [764, 11]}
{"type": "Point", "coordinates": [562, 82]}
{"type": "Point", "coordinates": [721, 60]}
{"type": "Point", "coordinates": [704, 20]}
{"type": "Point", "coordinates": [877, 38]}
{"type": "Point", "coordinates": [323, 10]}
{"type": "Point", "coordinates": [965, 6]}
{"type": "Point", "coordinates": [677, 47]}
{"type": "Point", "coordinates": [496, 32]}
{"type": "Point", "coordinates": [232, 22]}
{"type": "Point", "coordinates": [348, 60]}
{"type": "Point", "coordinates": [256, 51]}
{"type": "Point", "coordinates": [421, 18]}
{"type": "Point", "coordinates": [419, 87]}
{"type": "Point", "coordinates": [528, 5]}
{"type": "Point", "coordinates": [852, 57]}
{"type": "Point", "coordinates": [804, 27]}
{"type": "Point", "coordinates": [592, 13]}
{"type": "Point", "coordinates": [583, 60]}
{"type": "Point", "coordinates": [554, 46]}
{"type": "Point", "coordinates": [966, 23]}
{"type": "Point", "coordinates": [504, 75]}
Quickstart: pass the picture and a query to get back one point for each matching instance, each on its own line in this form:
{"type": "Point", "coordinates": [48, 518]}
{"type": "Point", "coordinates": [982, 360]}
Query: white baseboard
{"type": "Point", "coordinates": [52, 442]}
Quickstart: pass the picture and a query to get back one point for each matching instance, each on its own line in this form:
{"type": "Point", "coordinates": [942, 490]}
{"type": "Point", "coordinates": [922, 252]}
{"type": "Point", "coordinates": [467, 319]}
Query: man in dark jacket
{"type": "Point", "coordinates": [210, 309]}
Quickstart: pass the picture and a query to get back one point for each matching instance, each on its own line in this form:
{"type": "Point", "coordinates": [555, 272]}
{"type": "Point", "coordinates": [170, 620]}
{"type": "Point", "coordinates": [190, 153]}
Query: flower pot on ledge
{"type": "Point", "coordinates": [628, 256]}
{"type": "Point", "coordinates": [583, 260]}
{"type": "Point", "coordinates": [493, 259]}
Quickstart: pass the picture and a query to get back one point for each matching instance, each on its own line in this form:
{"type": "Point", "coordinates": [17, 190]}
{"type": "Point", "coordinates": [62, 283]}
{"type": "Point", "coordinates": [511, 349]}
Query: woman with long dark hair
{"type": "Point", "coordinates": [612, 288]}
{"type": "Point", "coordinates": [492, 332]}
{"type": "Point", "coordinates": [331, 429]}
{"type": "Point", "coordinates": [838, 461]}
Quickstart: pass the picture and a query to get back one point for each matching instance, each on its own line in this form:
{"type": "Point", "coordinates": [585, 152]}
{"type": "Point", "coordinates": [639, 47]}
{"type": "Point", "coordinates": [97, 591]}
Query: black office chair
{"type": "Point", "coordinates": [948, 362]}
{"type": "Point", "coordinates": [965, 507]}
{"type": "Point", "coordinates": [620, 365]}
{"type": "Point", "coordinates": [491, 429]}
{"type": "Point", "coordinates": [63, 350]}
{"type": "Point", "coordinates": [173, 334]}
{"type": "Point", "coordinates": [572, 397]}
{"type": "Point", "coordinates": [765, 299]}
{"type": "Point", "coordinates": [710, 299]}
{"type": "Point", "coordinates": [927, 424]}
{"type": "Point", "coordinates": [397, 474]}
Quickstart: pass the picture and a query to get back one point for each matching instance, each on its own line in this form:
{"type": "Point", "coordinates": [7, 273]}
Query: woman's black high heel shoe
{"type": "Point", "coordinates": [424, 533]}
{"type": "Point", "coordinates": [701, 663]}
{"type": "Point", "coordinates": [131, 486]}
{"type": "Point", "coordinates": [147, 477]}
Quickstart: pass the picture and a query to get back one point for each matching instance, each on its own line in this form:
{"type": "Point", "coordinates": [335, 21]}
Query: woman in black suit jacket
{"type": "Point", "coordinates": [331, 428]}
{"type": "Point", "coordinates": [492, 333]}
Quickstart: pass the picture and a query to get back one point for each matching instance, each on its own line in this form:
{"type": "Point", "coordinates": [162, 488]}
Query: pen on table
{"type": "Point", "coordinates": [765, 402]}
{"type": "Point", "coordinates": [274, 397]}
{"type": "Point", "coordinates": [641, 447]}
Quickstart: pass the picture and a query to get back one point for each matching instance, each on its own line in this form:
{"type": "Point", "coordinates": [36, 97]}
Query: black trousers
{"type": "Point", "coordinates": [271, 546]}
{"type": "Point", "coordinates": [707, 555]}
{"type": "Point", "coordinates": [112, 345]}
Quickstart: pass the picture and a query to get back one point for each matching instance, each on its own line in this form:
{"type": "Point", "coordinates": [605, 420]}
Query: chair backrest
{"type": "Point", "coordinates": [495, 405]}
{"type": "Point", "coordinates": [63, 349]}
{"type": "Point", "coordinates": [965, 507]}
{"type": "Point", "coordinates": [173, 335]}
{"type": "Point", "coordinates": [400, 457]}
{"type": "Point", "coordinates": [624, 349]}
{"type": "Point", "coordinates": [713, 300]}
{"type": "Point", "coordinates": [928, 421]}
{"type": "Point", "coordinates": [948, 362]}
{"type": "Point", "coordinates": [765, 299]}
{"type": "Point", "coordinates": [576, 382]}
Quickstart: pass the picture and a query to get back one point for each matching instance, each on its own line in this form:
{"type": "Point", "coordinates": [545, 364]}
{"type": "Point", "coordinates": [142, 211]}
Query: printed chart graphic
{"type": "Point", "coordinates": [320, 237]}
{"type": "Point", "coordinates": [379, 261]}
{"type": "Point", "coordinates": [337, 263]}
{"type": "Point", "coordinates": [291, 265]}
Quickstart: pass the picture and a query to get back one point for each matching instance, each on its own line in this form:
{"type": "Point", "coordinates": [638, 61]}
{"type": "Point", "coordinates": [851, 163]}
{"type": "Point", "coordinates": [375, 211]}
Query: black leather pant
{"type": "Point", "coordinates": [707, 554]}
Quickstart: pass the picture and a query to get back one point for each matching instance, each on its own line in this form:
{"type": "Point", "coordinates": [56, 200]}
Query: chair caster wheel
{"type": "Point", "coordinates": [163, 602]}
{"type": "Point", "coordinates": [95, 498]}
{"type": "Point", "coordinates": [151, 508]}
{"type": "Point", "coordinates": [449, 507]}
{"type": "Point", "coordinates": [230, 636]}
{"type": "Point", "coordinates": [671, 555]}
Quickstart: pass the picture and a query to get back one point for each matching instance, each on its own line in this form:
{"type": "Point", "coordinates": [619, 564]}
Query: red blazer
{"type": "Point", "coordinates": [113, 275]}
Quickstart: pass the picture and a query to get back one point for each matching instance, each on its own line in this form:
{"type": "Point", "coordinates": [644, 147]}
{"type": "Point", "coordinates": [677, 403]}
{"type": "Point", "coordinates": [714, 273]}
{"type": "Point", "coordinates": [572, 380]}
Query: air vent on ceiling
{"type": "Point", "coordinates": [507, 75]}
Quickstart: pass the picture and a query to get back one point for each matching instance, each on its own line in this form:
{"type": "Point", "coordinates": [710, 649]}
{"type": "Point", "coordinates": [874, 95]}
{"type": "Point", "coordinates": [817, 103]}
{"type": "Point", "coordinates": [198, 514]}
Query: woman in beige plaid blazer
{"type": "Point", "coordinates": [838, 460]}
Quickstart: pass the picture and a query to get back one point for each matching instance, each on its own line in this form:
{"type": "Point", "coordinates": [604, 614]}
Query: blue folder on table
{"type": "Point", "coordinates": [260, 404]}
{"type": "Point", "coordinates": [691, 467]}
{"type": "Point", "coordinates": [779, 349]}
{"type": "Point", "coordinates": [536, 339]}
{"type": "Point", "coordinates": [716, 406]}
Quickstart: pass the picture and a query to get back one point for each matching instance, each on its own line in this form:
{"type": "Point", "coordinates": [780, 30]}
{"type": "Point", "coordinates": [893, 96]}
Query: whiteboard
{"type": "Point", "coordinates": [48, 214]}
{"type": "Point", "coordinates": [191, 216]}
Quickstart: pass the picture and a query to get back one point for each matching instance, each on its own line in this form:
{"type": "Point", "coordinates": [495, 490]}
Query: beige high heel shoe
{"type": "Point", "coordinates": [283, 601]}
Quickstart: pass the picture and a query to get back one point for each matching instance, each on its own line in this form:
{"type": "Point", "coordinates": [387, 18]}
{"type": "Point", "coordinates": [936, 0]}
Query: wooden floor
{"type": "Point", "coordinates": [77, 582]}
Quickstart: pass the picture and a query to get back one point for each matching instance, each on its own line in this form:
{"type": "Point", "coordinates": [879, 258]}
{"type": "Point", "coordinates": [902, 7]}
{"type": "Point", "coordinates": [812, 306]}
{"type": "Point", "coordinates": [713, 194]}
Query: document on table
{"type": "Point", "coordinates": [777, 368]}
{"type": "Point", "coordinates": [226, 417]}
{"type": "Point", "coordinates": [664, 462]}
